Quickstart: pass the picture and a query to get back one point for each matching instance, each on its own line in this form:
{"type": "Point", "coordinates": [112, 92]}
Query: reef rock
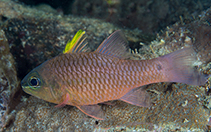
{"type": "Point", "coordinates": [8, 81]}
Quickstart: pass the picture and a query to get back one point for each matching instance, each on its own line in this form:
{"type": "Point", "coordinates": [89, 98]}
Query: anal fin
{"type": "Point", "coordinates": [94, 111]}
{"type": "Point", "coordinates": [137, 97]}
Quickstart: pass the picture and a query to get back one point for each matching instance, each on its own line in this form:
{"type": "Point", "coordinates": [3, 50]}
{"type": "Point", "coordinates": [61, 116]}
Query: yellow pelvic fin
{"type": "Point", "coordinates": [76, 44]}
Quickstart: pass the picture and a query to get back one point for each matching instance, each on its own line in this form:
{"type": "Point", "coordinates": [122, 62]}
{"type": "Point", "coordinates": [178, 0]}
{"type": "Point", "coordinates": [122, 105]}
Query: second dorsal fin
{"type": "Point", "coordinates": [115, 45]}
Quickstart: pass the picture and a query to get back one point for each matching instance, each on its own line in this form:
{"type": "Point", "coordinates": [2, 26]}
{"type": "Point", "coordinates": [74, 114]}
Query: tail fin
{"type": "Point", "coordinates": [180, 68]}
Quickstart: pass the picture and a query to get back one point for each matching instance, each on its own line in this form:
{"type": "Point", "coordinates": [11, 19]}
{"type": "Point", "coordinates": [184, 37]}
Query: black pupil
{"type": "Point", "coordinates": [34, 82]}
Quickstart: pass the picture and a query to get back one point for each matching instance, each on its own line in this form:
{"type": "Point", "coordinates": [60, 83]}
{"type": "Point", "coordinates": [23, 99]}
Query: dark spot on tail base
{"type": "Point", "coordinates": [159, 67]}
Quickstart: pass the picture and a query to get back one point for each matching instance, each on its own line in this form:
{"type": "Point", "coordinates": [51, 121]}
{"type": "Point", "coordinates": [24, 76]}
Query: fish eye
{"type": "Point", "coordinates": [34, 81]}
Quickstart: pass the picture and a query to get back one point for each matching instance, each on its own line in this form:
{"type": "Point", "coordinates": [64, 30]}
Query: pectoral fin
{"type": "Point", "coordinates": [67, 97]}
{"type": "Point", "coordinates": [137, 97]}
{"type": "Point", "coordinates": [94, 111]}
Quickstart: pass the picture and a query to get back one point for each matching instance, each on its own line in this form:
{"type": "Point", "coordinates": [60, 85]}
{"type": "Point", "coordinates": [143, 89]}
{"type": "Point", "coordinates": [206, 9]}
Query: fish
{"type": "Point", "coordinates": [84, 78]}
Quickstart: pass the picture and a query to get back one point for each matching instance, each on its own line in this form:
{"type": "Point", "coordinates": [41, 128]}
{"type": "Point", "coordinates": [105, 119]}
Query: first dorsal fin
{"type": "Point", "coordinates": [115, 45]}
{"type": "Point", "coordinates": [77, 44]}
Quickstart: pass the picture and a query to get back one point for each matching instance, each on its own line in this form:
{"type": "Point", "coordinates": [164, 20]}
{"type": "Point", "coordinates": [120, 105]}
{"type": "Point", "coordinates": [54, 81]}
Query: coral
{"type": "Point", "coordinates": [8, 81]}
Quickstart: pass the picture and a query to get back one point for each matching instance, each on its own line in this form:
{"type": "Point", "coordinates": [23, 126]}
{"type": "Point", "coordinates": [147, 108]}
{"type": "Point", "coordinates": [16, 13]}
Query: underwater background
{"type": "Point", "coordinates": [32, 32]}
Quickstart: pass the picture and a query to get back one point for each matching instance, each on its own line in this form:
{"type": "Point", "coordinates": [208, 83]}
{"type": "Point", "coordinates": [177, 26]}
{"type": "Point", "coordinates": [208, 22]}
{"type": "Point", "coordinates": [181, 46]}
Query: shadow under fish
{"type": "Point", "coordinates": [84, 79]}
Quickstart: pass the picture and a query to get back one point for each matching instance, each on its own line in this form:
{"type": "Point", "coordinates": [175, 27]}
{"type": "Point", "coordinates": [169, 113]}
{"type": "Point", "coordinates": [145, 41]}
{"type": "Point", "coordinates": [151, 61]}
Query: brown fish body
{"type": "Point", "coordinates": [84, 79]}
{"type": "Point", "coordinates": [93, 78]}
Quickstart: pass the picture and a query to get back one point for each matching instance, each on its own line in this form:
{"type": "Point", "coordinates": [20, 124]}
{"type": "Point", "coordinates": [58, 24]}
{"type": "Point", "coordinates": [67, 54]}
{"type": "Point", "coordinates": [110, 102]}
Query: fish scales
{"type": "Point", "coordinates": [84, 79]}
{"type": "Point", "coordinates": [116, 77]}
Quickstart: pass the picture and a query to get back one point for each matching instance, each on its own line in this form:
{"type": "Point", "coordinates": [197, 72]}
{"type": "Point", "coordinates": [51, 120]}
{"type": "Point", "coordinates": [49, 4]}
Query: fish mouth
{"type": "Point", "coordinates": [25, 87]}
{"type": "Point", "coordinates": [22, 84]}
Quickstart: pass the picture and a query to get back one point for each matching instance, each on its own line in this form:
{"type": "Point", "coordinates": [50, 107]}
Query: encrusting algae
{"type": "Point", "coordinates": [84, 79]}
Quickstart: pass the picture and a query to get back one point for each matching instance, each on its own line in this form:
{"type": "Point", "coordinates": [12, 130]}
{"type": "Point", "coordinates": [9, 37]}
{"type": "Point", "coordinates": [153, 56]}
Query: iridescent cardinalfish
{"type": "Point", "coordinates": [84, 79]}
